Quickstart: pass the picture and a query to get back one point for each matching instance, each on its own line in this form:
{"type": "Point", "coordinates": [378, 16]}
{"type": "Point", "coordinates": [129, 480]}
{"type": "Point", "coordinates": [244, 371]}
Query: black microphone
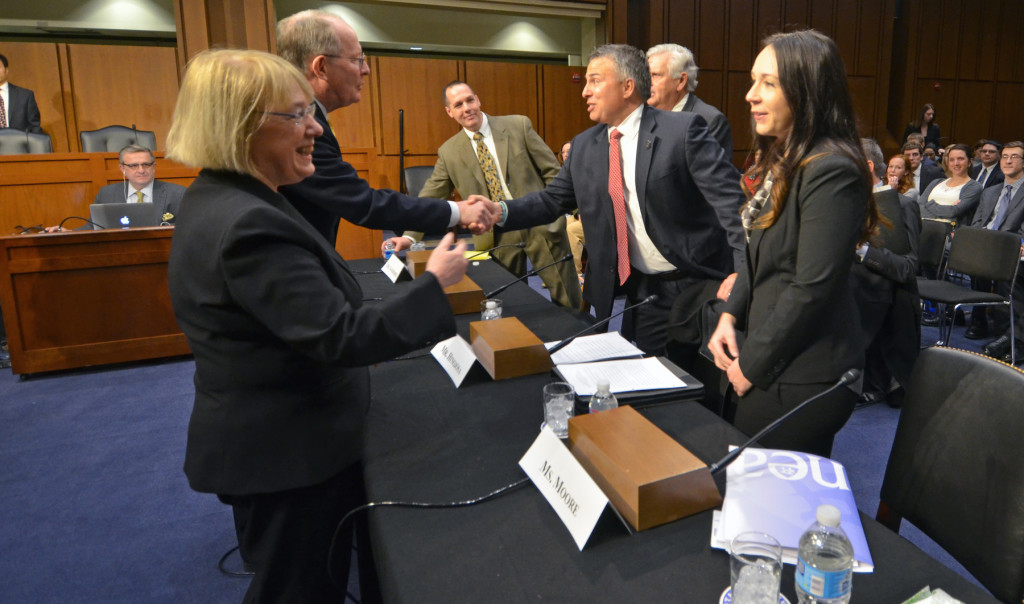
{"type": "Point", "coordinates": [848, 378]}
{"type": "Point", "coordinates": [521, 244]}
{"type": "Point", "coordinates": [527, 275]}
{"type": "Point", "coordinates": [567, 341]}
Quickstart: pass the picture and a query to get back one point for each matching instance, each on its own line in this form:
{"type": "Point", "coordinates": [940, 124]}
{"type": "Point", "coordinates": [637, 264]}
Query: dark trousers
{"type": "Point", "coordinates": [649, 324]}
{"type": "Point", "coordinates": [287, 535]}
{"type": "Point", "coordinates": [811, 430]}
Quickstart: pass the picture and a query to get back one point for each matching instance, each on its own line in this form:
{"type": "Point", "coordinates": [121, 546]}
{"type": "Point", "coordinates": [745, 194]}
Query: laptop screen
{"type": "Point", "coordinates": [124, 215]}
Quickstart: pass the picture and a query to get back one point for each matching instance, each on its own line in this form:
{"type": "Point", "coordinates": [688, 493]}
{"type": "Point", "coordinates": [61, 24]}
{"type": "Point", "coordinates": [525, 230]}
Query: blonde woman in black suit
{"type": "Point", "coordinates": [276, 322]}
{"type": "Point", "coordinates": [813, 207]}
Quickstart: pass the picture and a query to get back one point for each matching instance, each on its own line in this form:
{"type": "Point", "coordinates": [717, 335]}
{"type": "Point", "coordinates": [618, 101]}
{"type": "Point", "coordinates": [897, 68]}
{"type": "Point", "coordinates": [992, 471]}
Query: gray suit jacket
{"type": "Point", "coordinates": [987, 207]}
{"type": "Point", "coordinates": [166, 195]}
{"type": "Point", "coordinates": [23, 113]}
{"type": "Point", "coordinates": [717, 124]}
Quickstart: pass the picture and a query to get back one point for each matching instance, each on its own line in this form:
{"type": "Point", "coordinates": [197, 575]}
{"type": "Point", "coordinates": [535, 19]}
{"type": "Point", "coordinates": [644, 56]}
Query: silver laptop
{"type": "Point", "coordinates": [124, 215]}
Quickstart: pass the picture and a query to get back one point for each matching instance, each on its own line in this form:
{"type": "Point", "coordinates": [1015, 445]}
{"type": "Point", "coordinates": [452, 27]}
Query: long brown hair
{"type": "Point", "coordinates": [813, 81]}
{"type": "Point", "coordinates": [906, 181]}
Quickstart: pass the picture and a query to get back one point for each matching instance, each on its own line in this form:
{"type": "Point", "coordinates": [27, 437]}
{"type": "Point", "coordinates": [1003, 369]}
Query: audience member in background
{"type": "Point", "coordinates": [952, 199]}
{"type": "Point", "coordinates": [884, 281]}
{"type": "Point", "coordinates": [573, 225]}
{"type": "Point", "coordinates": [501, 157]}
{"type": "Point", "coordinates": [277, 324]}
{"type": "Point", "coordinates": [987, 170]}
{"type": "Point", "coordinates": [673, 82]}
{"type": "Point", "coordinates": [658, 197]}
{"type": "Point", "coordinates": [327, 51]}
{"type": "Point", "coordinates": [925, 126]}
{"type": "Point", "coordinates": [1002, 209]}
{"type": "Point", "coordinates": [813, 208]}
{"type": "Point", "coordinates": [899, 177]}
{"type": "Point", "coordinates": [923, 173]}
{"type": "Point", "coordinates": [18, 107]}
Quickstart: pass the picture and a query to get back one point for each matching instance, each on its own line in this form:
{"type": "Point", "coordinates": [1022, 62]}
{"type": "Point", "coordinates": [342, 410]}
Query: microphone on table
{"type": "Point", "coordinates": [848, 378]}
{"type": "Point", "coordinates": [520, 245]}
{"type": "Point", "coordinates": [527, 275]}
{"type": "Point", "coordinates": [567, 341]}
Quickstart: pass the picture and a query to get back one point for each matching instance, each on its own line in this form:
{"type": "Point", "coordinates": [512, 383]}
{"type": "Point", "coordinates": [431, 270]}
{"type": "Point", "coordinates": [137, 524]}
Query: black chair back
{"type": "Point", "coordinates": [985, 254]}
{"type": "Point", "coordinates": [14, 142]}
{"type": "Point", "coordinates": [115, 138]}
{"type": "Point", "coordinates": [416, 177]}
{"type": "Point", "coordinates": [932, 245]}
{"type": "Point", "coordinates": [955, 469]}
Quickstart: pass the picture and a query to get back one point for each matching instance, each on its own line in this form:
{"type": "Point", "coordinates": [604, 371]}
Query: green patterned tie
{"type": "Point", "coordinates": [139, 195]}
{"type": "Point", "coordinates": [490, 170]}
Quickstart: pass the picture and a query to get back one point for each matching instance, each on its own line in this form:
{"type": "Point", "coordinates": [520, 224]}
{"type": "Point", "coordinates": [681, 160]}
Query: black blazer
{"type": "Point", "coordinates": [931, 138]}
{"type": "Point", "coordinates": [23, 112]}
{"type": "Point", "coordinates": [336, 191]}
{"type": "Point", "coordinates": [689, 195]}
{"type": "Point", "coordinates": [281, 339]}
{"type": "Point", "coordinates": [995, 178]}
{"type": "Point", "coordinates": [718, 125]}
{"type": "Point", "coordinates": [793, 299]}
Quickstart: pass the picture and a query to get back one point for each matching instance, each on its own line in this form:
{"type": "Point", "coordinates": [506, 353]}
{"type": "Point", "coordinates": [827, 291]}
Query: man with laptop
{"type": "Point", "coordinates": [140, 186]}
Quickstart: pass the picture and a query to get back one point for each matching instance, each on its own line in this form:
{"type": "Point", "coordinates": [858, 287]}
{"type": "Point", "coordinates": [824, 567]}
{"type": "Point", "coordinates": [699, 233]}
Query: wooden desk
{"type": "Point", "coordinates": [87, 298]}
{"type": "Point", "coordinates": [44, 189]}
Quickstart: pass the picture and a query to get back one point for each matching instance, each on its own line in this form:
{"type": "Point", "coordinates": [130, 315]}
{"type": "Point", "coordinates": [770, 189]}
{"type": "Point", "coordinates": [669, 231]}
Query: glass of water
{"type": "Point", "coordinates": [755, 565]}
{"type": "Point", "coordinates": [559, 401]}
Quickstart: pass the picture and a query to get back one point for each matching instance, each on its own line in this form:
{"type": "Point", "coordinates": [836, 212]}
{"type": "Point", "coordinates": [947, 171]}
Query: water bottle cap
{"type": "Point", "coordinates": [828, 515]}
{"type": "Point", "coordinates": [603, 386]}
{"type": "Point", "coordinates": [491, 304]}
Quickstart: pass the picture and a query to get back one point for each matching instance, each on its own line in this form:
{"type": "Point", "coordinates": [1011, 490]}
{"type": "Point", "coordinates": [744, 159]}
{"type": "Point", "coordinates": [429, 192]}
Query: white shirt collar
{"type": "Point", "coordinates": [485, 128]}
{"type": "Point", "coordinates": [682, 102]}
{"type": "Point", "coordinates": [631, 125]}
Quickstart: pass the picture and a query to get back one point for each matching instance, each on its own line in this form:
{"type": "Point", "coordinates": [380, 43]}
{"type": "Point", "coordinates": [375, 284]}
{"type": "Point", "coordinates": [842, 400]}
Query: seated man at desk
{"type": "Point", "coordinates": [140, 186]}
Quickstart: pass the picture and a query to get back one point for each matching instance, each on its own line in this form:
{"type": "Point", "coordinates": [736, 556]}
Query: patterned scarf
{"type": "Point", "coordinates": [753, 208]}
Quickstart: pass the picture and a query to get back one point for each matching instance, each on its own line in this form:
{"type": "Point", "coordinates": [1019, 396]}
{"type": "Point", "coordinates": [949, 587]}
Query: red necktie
{"type": "Point", "coordinates": [3, 113]}
{"type": "Point", "coordinates": [618, 204]}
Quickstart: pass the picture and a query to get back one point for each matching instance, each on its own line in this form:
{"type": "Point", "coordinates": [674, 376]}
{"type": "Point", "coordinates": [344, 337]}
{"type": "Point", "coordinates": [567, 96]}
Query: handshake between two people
{"type": "Point", "coordinates": [476, 213]}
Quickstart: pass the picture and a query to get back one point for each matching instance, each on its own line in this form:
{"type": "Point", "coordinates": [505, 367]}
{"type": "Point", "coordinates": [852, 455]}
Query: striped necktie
{"type": "Point", "coordinates": [615, 190]}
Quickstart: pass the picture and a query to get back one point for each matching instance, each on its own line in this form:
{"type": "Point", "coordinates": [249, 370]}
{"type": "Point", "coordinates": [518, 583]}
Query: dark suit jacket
{"type": "Point", "coordinates": [931, 138]}
{"type": "Point", "coordinates": [793, 299]}
{"type": "Point", "coordinates": [688, 190]}
{"type": "Point", "coordinates": [930, 172]}
{"type": "Point", "coordinates": [987, 207]}
{"type": "Point", "coordinates": [717, 124]}
{"type": "Point", "coordinates": [23, 112]}
{"type": "Point", "coordinates": [885, 287]}
{"type": "Point", "coordinates": [281, 339]}
{"type": "Point", "coordinates": [995, 178]}
{"type": "Point", "coordinates": [166, 195]}
{"type": "Point", "coordinates": [336, 191]}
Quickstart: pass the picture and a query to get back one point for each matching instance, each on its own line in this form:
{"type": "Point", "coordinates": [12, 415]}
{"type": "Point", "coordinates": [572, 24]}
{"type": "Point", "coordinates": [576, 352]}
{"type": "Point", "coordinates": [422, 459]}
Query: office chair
{"type": "Point", "coordinates": [416, 177]}
{"type": "Point", "coordinates": [14, 142]}
{"type": "Point", "coordinates": [982, 254]}
{"type": "Point", "coordinates": [955, 468]}
{"type": "Point", "coordinates": [115, 138]}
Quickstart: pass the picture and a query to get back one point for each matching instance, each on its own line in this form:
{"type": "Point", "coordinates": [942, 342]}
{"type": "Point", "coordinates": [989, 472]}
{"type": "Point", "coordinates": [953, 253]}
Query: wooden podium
{"type": "Point", "coordinates": [87, 298]}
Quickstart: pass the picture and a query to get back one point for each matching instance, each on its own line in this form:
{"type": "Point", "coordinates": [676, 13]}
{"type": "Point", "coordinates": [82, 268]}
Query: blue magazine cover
{"type": "Point", "coordinates": [778, 492]}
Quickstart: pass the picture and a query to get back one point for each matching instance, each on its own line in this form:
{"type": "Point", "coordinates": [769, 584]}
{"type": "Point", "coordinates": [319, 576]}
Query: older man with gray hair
{"type": "Point", "coordinates": [673, 80]}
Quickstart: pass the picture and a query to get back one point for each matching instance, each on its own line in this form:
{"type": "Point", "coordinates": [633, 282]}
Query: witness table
{"type": "Point", "coordinates": [429, 442]}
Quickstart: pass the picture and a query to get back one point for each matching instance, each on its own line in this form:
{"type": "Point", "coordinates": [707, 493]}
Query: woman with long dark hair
{"type": "Point", "coordinates": [925, 125]}
{"type": "Point", "coordinates": [813, 207]}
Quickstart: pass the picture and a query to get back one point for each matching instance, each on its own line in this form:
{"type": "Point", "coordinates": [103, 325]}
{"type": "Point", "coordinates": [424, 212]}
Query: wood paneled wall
{"type": "Point", "coordinates": [88, 86]}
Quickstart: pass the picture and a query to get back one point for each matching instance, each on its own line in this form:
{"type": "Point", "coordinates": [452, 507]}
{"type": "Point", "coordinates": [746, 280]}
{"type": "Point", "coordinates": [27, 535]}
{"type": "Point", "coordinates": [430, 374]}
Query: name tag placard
{"type": "Point", "coordinates": [456, 356]}
{"type": "Point", "coordinates": [393, 268]}
{"type": "Point", "coordinates": [572, 493]}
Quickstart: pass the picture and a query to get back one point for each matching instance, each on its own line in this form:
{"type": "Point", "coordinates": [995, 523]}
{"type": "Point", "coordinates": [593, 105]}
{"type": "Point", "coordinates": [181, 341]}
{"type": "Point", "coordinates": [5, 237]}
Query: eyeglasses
{"type": "Point", "coordinates": [147, 165]}
{"type": "Point", "coordinates": [361, 59]}
{"type": "Point", "coordinates": [1013, 157]}
{"type": "Point", "coordinates": [299, 117]}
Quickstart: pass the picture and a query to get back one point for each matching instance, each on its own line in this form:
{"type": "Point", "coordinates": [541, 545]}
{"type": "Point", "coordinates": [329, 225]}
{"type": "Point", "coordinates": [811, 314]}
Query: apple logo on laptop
{"type": "Point", "coordinates": [125, 222]}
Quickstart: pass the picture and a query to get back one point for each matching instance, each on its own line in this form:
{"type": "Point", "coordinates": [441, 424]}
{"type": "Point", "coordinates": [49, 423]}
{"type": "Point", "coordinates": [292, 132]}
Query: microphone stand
{"type": "Point", "coordinates": [527, 275]}
{"type": "Point", "coordinates": [604, 321]}
{"type": "Point", "coordinates": [521, 244]}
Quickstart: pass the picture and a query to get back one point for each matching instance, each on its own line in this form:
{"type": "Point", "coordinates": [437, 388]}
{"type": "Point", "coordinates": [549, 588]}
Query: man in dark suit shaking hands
{"type": "Point", "coordinates": [657, 196]}
{"type": "Point", "coordinates": [18, 107]}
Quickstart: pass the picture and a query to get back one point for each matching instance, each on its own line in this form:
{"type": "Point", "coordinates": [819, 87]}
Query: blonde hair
{"type": "Point", "coordinates": [221, 105]}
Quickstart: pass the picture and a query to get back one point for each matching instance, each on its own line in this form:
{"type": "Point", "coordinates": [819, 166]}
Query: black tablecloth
{"type": "Point", "coordinates": [427, 441]}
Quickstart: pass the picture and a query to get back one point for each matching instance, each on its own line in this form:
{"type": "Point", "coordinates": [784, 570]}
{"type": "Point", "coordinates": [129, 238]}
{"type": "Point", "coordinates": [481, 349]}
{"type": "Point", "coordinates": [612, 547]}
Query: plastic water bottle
{"type": "Point", "coordinates": [824, 567]}
{"type": "Point", "coordinates": [389, 250]}
{"type": "Point", "coordinates": [603, 399]}
{"type": "Point", "coordinates": [491, 311]}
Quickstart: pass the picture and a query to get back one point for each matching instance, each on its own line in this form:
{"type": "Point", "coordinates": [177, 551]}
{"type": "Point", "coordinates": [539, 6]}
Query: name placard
{"type": "Point", "coordinates": [456, 356]}
{"type": "Point", "coordinates": [393, 268]}
{"type": "Point", "coordinates": [575, 496]}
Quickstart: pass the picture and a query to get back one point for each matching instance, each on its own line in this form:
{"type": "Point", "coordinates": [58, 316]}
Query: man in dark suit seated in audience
{"type": "Point", "coordinates": [884, 283]}
{"type": "Point", "coordinates": [987, 171]}
{"type": "Point", "coordinates": [139, 168]}
{"type": "Point", "coordinates": [923, 172]}
{"type": "Point", "coordinates": [1001, 209]}
{"type": "Point", "coordinates": [18, 107]}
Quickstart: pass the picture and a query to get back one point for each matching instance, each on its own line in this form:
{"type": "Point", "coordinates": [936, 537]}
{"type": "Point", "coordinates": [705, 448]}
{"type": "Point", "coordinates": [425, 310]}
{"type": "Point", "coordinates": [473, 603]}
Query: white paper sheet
{"type": "Point", "coordinates": [628, 375]}
{"type": "Point", "coordinates": [596, 347]}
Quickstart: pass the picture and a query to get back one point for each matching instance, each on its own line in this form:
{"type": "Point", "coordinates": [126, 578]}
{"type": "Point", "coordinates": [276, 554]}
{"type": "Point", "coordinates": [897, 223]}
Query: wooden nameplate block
{"type": "Point", "coordinates": [416, 262]}
{"type": "Point", "coordinates": [465, 296]}
{"type": "Point", "coordinates": [507, 349]}
{"type": "Point", "coordinates": [649, 477]}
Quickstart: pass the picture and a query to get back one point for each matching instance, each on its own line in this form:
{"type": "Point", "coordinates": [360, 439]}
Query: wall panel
{"type": "Point", "coordinates": [503, 88]}
{"type": "Point", "coordinates": [565, 113]}
{"type": "Point", "coordinates": [415, 86]}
